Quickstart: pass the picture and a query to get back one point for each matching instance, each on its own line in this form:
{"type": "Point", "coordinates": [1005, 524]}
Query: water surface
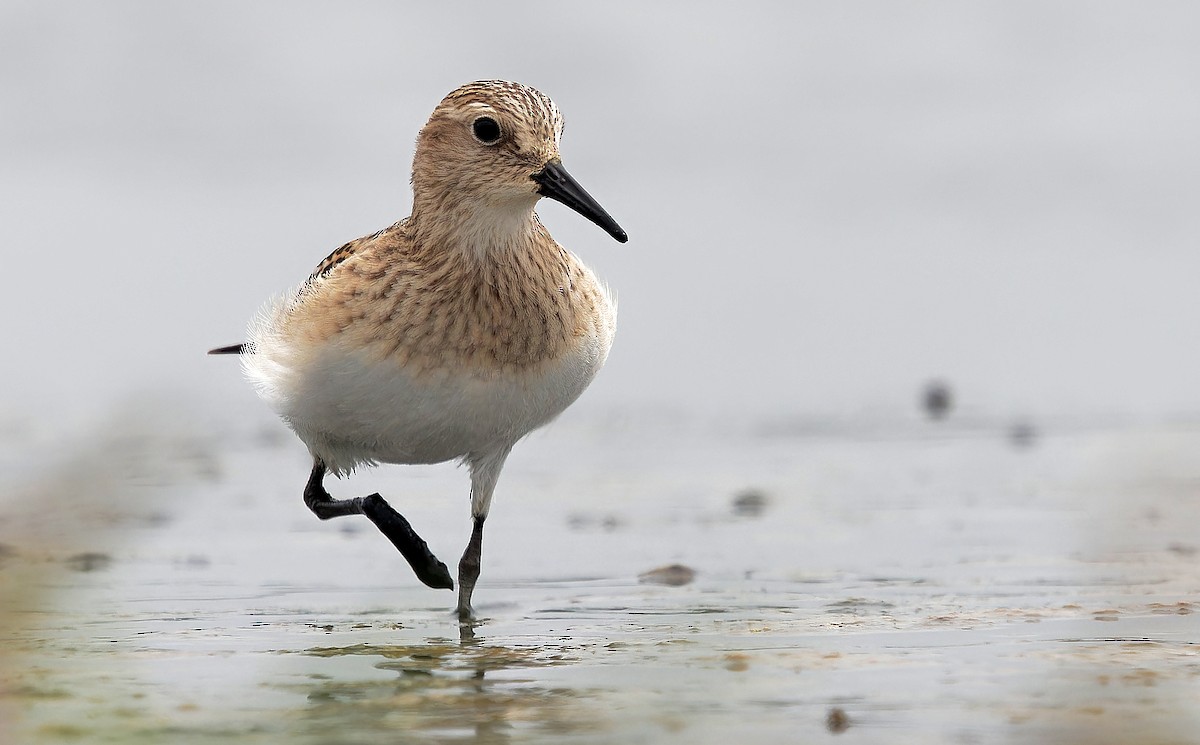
{"type": "Point", "coordinates": [898, 583]}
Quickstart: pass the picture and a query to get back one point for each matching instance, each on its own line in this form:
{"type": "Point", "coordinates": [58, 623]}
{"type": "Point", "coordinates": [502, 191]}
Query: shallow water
{"type": "Point", "coordinates": [886, 582]}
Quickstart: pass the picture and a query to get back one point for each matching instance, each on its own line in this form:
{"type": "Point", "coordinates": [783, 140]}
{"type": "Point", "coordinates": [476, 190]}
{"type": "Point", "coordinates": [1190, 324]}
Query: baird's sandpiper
{"type": "Point", "coordinates": [449, 335]}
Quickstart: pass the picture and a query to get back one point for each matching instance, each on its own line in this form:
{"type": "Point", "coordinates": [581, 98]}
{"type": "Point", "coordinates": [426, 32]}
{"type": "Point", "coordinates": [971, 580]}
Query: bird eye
{"type": "Point", "coordinates": [486, 130]}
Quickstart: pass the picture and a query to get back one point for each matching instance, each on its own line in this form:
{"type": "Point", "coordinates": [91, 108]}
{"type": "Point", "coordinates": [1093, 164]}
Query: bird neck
{"type": "Point", "coordinates": [477, 228]}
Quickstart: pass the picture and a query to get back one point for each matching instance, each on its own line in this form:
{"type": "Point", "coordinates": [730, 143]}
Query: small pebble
{"type": "Point", "coordinates": [937, 399]}
{"type": "Point", "coordinates": [90, 561]}
{"type": "Point", "coordinates": [749, 503]}
{"type": "Point", "coordinates": [837, 721]}
{"type": "Point", "coordinates": [672, 575]}
{"type": "Point", "coordinates": [1022, 435]}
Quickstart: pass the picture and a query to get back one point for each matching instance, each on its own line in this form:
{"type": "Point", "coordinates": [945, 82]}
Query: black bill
{"type": "Point", "coordinates": [554, 182]}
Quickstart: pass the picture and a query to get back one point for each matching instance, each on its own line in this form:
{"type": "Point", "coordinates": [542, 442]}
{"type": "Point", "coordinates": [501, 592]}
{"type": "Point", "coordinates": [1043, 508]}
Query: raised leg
{"type": "Point", "coordinates": [323, 505]}
{"type": "Point", "coordinates": [468, 571]}
{"type": "Point", "coordinates": [391, 523]}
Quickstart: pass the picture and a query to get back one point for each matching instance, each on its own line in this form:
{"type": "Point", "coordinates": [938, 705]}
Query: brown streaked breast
{"type": "Point", "coordinates": [431, 310]}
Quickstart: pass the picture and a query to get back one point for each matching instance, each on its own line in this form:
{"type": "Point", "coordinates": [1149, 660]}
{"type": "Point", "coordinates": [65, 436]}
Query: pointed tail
{"type": "Point", "coordinates": [231, 349]}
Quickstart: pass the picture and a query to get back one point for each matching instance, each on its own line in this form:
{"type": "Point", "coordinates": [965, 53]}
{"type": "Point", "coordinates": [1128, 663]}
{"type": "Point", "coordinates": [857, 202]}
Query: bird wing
{"type": "Point", "coordinates": [340, 254]}
{"type": "Point", "coordinates": [345, 251]}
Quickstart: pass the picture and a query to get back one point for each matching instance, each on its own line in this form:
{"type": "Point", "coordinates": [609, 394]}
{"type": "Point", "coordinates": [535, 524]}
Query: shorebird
{"type": "Point", "coordinates": [451, 334]}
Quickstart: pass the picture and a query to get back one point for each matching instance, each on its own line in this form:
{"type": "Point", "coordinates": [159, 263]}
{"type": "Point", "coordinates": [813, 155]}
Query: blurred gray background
{"type": "Point", "coordinates": [828, 203]}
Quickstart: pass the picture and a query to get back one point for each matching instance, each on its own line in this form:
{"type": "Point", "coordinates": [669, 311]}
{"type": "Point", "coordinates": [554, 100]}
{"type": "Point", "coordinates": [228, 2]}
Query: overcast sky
{"type": "Point", "coordinates": [827, 203]}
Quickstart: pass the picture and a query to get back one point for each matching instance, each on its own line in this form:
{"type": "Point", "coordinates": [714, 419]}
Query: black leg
{"type": "Point", "coordinates": [323, 505]}
{"type": "Point", "coordinates": [468, 571]}
{"type": "Point", "coordinates": [391, 523]}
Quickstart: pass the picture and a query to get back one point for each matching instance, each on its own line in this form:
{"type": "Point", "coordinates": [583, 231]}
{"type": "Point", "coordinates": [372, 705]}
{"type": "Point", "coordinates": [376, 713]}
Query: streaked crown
{"type": "Point", "coordinates": [485, 140]}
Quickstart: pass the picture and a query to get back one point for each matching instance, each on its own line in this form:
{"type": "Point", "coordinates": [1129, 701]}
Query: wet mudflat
{"type": "Point", "coordinates": [645, 579]}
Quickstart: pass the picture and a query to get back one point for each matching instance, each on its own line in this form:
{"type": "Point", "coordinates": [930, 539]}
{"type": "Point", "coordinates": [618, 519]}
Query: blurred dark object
{"type": "Point", "coordinates": [837, 721]}
{"type": "Point", "coordinates": [672, 575]}
{"type": "Point", "coordinates": [90, 561]}
{"type": "Point", "coordinates": [1022, 435]}
{"type": "Point", "coordinates": [749, 503]}
{"type": "Point", "coordinates": [937, 399]}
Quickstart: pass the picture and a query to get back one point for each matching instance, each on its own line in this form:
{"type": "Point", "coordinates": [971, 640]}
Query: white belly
{"type": "Point", "coordinates": [352, 410]}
